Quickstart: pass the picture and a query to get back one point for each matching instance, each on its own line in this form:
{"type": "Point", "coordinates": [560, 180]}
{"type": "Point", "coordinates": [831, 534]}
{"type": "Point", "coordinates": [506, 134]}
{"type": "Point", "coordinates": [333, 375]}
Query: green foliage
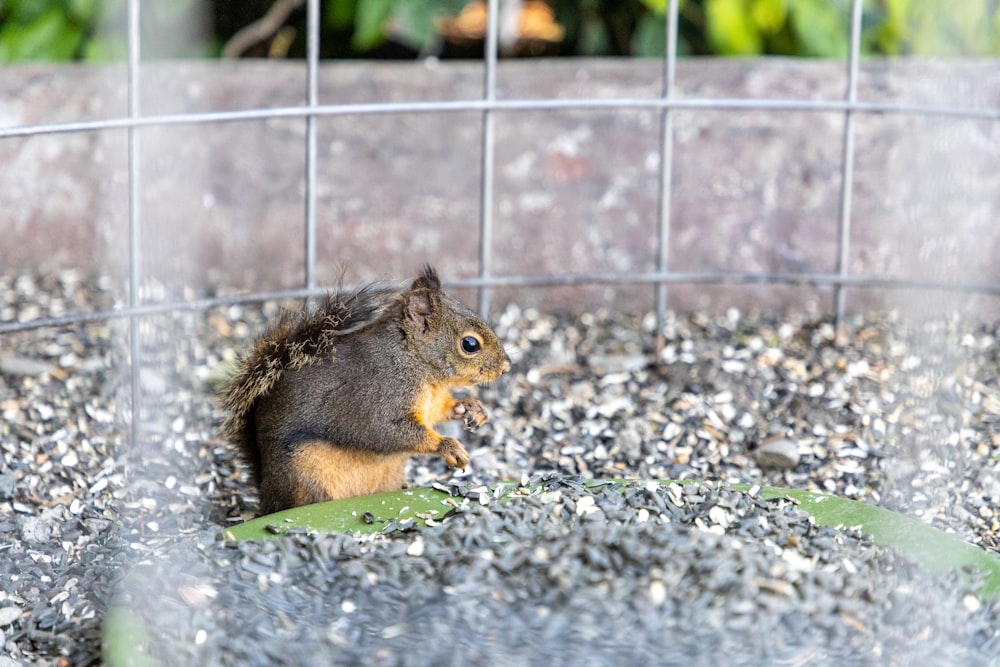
{"type": "Point", "coordinates": [94, 30]}
{"type": "Point", "coordinates": [769, 15]}
{"type": "Point", "coordinates": [40, 30]}
{"type": "Point", "coordinates": [370, 18]}
{"type": "Point", "coordinates": [656, 6]}
{"type": "Point", "coordinates": [411, 21]}
{"type": "Point", "coordinates": [956, 28]}
{"type": "Point", "coordinates": [108, 49]}
{"type": "Point", "coordinates": [602, 27]}
{"type": "Point", "coordinates": [650, 39]}
{"type": "Point", "coordinates": [821, 28]}
{"type": "Point", "coordinates": [340, 13]}
{"type": "Point", "coordinates": [731, 28]}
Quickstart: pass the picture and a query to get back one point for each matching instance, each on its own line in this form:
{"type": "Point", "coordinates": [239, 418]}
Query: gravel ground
{"type": "Point", "coordinates": [889, 412]}
{"type": "Point", "coordinates": [563, 574]}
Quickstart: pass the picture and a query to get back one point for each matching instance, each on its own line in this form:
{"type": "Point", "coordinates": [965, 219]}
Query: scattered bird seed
{"type": "Point", "coordinates": [570, 591]}
{"type": "Point", "coordinates": [895, 413]}
{"type": "Point", "coordinates": [781, 454]}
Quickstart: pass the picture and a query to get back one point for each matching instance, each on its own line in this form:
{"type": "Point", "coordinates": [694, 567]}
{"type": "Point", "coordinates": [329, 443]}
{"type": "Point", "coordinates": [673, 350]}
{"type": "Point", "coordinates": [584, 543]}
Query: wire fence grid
{"type": "Point", "coordinates": [489, 105]}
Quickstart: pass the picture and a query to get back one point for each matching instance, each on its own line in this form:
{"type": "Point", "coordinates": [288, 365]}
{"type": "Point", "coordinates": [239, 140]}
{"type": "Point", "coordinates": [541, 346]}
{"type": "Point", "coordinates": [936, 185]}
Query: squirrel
{"type": "Point", "coordinates": [331, 402]}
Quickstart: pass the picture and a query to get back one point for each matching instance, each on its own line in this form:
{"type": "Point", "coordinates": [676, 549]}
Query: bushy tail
{"type": "Point", "coordinates": [297, 339]}
{"type": "Point", "coordinates": [257, 373]}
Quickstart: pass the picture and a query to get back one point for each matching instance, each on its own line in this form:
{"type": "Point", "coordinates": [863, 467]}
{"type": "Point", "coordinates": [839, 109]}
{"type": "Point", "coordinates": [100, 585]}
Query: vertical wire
{"type": "Point", "coordinates": [134, 215]}
{"type": "Point", "coordinates": [847, 162]}
{"type": "Point", "coordinates": [487, 153]}
{"type": "Point", "coordinates": [666, 170]}
{"type": "Point", "coordinates": [312, 99]}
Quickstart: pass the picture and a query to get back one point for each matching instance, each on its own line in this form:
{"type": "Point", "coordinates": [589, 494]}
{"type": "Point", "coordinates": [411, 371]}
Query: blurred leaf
{"type": "Point", "coordinates": [731, 30]}
{"type": "Point", "coordinates": [821, 29]}
{"type": "Point", "coordinates": [413, 22]}
{"type": "Point", "coordinates": [594, 39]}
{"type": "Point", "coordinates": [996, 32]}
{"type": "Point", "coordinates": [650, 37]}
{"type": "Point", "coordinates": [340, 13]}
{"type": "Point", "coordinates": [105, 49]}
{"type": "Point", "coordinates": [960, 28]}
{"type": "Point", "coordinates": [888, 35]}
{"type": "Point", "coordinates": [84, 11]}
{"type": "Point", "coordinates": [660, 6]}
{"type": "Point", "coordinates": [49, 37]}
{"type": "Point", "coordinates": [175, 11]}
{"type": "Point", "coordinates": [923, 35]}
{"type": "Point", "coordinates": [25, 11]}
{"type": "Point", "coordinates": [369, 24]}
{"type": "Point", "coordinates": [768, 15]}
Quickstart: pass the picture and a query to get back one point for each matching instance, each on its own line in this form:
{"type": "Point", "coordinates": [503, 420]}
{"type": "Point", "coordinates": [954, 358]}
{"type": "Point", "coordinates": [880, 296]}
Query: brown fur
{"type": "Point", "coordinates": [331, 402]}
{"type": "Point", "coordinates": [297, 339]}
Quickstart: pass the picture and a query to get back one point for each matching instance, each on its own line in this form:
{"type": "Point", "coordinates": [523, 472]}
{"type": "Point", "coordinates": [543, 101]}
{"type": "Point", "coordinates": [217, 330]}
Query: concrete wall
{"type": "Point", "coordinates": [222, 204]}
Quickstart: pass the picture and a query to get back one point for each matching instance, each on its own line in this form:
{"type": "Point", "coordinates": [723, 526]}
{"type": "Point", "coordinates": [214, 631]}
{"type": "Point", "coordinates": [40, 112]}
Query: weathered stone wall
{"type": "Point", "coordinates": [223, 203]}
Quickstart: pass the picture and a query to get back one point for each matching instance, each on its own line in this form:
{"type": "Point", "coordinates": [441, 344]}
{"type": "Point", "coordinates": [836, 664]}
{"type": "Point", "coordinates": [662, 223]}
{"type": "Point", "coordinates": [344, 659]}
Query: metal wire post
{"type": "Point", "coordinates": [838, 280]}
{"type": "Point", "coordinates": [666, 170]}
{"type": "Point", "coordinates": [847, 162]}
{"type": "Point", "coordinates": [487, 164]}
{"type": "Point", "coordinates": [134, 216]}
{"type": "Point", "coordinates": [312, 101]}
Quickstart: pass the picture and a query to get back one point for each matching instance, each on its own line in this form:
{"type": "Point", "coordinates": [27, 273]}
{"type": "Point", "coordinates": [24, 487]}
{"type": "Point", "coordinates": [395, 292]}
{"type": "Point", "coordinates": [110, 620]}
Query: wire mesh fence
{"type": "Point", "coordinates": [111, 448]}
{"type": "Point", "coordinates": [839, 280]}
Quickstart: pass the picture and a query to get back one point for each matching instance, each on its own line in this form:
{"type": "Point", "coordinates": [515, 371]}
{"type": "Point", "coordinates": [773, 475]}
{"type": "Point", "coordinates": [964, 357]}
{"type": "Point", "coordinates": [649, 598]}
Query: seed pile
{"type": "Point", "coordinates": [566, 575]}
{"type": "Point", "coordinates": [890, 412]}
{"type": "Point", "coordinates": [886, 411]}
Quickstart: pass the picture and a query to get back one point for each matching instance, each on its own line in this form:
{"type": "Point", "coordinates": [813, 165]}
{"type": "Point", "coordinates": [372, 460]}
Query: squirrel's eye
{"type": "Point", "coordinates": [471, 345]}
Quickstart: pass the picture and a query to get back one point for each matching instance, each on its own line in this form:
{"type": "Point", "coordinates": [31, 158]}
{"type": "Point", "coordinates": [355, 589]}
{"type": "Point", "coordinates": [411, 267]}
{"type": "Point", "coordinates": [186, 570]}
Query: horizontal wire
{"type": "Point", "coordinates": [480, 105]}
{"type": "Point", "coordinates": [484, 105]}
{"type": "Point", "coordinates": [567, 280]}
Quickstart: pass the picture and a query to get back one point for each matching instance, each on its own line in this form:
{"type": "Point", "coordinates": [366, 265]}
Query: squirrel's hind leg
{"type": "Point", "coordinates": [320, 471]}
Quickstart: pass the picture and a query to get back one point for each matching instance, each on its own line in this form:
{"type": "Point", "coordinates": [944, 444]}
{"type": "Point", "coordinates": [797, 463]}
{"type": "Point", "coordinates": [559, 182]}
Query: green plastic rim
{"type": "Point", "coordinates": [936, 550]}
{"type": "Point", "coordinates": [124, 636]}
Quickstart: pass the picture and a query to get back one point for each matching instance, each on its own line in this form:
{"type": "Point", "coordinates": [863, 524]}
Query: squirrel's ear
{"type": "Point", "coordinates": [427, 280]}
{"type": "Point", "coordinates": [422, 302]}
{"type": "Point", "coordinates": [420, 310]}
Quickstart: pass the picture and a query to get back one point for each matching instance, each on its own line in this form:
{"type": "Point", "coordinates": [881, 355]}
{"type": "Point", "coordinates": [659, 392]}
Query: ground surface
{"type": "Point", "coordinates": [886, 411]}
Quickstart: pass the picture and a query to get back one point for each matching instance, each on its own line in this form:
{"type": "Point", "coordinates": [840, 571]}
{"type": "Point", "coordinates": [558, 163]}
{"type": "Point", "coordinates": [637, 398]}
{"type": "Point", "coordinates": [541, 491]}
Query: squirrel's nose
{"type": "Point", "coordinates": [506, 364]}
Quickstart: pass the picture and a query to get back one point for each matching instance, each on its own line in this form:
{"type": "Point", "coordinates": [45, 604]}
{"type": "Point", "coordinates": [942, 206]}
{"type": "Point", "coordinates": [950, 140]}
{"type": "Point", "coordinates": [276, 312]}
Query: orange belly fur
{"type": "Point", "coordinates": [434, 406]}
{"type": "Point", "coordinates": [325, 472]}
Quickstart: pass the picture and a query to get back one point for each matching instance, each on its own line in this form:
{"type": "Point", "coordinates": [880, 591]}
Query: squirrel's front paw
{"type": "Point", "coordinates": [453, 453]}
{"type": "Point", "coordinates": [471, 413]}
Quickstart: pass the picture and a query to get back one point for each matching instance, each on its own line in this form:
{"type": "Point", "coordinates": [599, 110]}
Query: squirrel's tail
{"type": "Point", "coordinates": [297, 339]}
{"type": "Point", "coordinates": [258, 371]}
